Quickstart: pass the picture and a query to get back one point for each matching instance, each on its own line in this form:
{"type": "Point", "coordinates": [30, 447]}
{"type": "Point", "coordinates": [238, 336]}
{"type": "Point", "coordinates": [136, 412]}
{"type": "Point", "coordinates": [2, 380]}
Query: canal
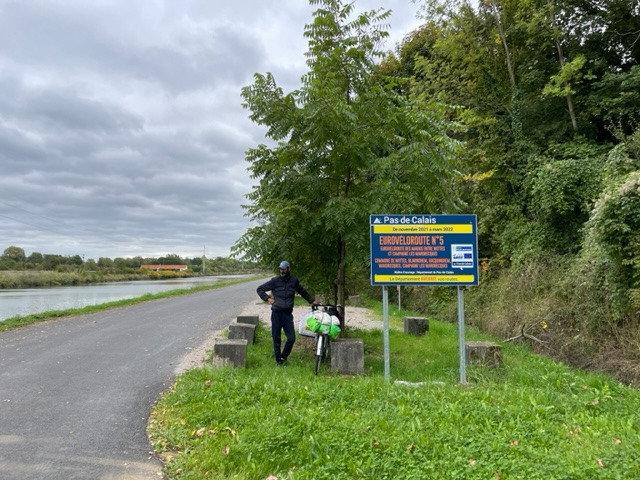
{"type": "Point", "coordinates": [28, 301]}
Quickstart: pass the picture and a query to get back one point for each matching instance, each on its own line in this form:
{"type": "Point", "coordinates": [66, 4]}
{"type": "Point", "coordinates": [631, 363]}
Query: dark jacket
{"type": "Point", "coordinates": [283, 290]}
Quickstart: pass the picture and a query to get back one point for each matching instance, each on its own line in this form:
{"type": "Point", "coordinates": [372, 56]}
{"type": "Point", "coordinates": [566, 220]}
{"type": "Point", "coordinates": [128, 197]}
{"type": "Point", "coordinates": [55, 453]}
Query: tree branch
{"type": "Point", "coordinates": [524, 334]}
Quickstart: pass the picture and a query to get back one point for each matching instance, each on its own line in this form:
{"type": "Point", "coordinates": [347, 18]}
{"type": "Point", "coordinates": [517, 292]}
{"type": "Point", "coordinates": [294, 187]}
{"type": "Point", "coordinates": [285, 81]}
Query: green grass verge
{"type": "Point", "coordinates": [24, 320]}
{"type": "Point", "coordinates": [531, 419]}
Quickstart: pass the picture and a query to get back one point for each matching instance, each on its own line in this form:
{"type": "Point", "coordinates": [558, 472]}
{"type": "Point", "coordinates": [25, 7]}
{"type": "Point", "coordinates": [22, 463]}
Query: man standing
{"type": "Point", "coordinates": [283, 289]}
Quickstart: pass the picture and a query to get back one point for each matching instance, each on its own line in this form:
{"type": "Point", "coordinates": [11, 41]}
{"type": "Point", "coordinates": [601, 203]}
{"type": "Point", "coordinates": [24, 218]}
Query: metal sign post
{"type": "Point", "coordinates": [385, 332]}
{"type": "Point", "coordinates": [461, 350]}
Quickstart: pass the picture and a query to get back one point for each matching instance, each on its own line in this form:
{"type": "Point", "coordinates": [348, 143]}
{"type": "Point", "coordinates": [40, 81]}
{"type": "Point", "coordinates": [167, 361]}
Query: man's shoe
{"type": "Point", "coordinates": [282, 362]}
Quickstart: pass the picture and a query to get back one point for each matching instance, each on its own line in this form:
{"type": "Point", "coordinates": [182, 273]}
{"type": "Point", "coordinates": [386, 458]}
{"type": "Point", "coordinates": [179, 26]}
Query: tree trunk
{"type": "Point", "coordinates": [572, 114]}
{"type": "Point", "coordinates": [342, 257]}
{"type": "Point", "coordinates": [569, 97]}
{"type": "Point", "coordinates": [342, 253]}
{"type": "Point", "coordinates": [516, 123]}
{"type": "Point", "coordinates": [507, 53]}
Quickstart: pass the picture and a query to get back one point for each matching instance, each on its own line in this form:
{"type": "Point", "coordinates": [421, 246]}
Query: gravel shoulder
{"type": "Point", "coordinates": [357, 317]}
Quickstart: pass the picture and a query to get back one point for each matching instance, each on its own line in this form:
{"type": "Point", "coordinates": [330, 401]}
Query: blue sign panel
{"type": "Point", "coordinates": [424, 250]}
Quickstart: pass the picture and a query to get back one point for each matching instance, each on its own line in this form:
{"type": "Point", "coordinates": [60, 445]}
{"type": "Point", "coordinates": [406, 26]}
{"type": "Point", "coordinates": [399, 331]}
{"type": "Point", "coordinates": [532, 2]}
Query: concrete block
{"type": "Point", "coordinates": [355, 300]}
{"type": "Point", "coordinates": [250, 319]}
{"type": "Point", "coordinates": [234, 351]}
{"type": "Point", "coordinates": [242, 331]}
{"type": "Point", "coordinates": [347, 355]}
{"type": "Point", "coordinates": [416, 325]}
{"type": "Point", "coordinates": [483, 353]}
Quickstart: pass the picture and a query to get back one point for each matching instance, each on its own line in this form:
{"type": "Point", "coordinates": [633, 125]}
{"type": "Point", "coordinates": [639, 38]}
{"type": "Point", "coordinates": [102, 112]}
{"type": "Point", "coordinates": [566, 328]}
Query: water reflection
{"type": "Point", "coordinates": [35, 300]}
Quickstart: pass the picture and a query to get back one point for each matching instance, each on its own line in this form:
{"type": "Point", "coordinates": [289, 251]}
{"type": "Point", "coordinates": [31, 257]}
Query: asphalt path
{"type": "Point", "coordinates": [76, 393]}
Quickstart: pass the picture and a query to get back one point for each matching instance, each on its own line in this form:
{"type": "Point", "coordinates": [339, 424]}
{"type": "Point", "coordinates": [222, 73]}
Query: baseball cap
{"type": "Point", "coordinates": [284, 264]}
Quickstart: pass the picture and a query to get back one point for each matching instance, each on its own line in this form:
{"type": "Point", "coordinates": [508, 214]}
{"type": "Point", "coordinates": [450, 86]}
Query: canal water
{"type": "Point", "coordinates": [36, 300]}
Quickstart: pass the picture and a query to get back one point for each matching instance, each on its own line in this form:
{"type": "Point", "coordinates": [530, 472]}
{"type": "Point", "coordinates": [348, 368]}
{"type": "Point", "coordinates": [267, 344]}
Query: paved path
{"type": "Point", "coordinates": [75, 394]}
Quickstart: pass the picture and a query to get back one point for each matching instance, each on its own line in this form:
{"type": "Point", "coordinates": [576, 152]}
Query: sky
{"type": "Point", "coordinates": [122, 131]}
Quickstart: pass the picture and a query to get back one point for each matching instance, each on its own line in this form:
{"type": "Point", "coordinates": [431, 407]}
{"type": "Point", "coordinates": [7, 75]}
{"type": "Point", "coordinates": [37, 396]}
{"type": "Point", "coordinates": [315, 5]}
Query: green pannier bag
{"type": "Point", "coordinates": [313, 324]}
{"type": "Point", "coordinates": [334, 331]}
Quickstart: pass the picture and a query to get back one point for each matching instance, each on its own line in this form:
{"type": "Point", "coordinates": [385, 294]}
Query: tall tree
{"type": "Point", "coordinates": [345, 145]}
{"type": "Point", "coordinates": [15, 254]}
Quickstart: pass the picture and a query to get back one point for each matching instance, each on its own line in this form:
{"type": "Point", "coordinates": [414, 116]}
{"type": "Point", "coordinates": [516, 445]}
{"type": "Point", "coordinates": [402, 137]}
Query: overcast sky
{"type": "Point", "coordinates": [121, 126]}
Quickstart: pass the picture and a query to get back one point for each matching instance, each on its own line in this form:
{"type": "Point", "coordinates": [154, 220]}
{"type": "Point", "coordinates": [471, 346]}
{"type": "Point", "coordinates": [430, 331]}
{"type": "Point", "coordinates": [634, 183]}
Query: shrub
{"type": "Point", "coordinates": [614, 231]}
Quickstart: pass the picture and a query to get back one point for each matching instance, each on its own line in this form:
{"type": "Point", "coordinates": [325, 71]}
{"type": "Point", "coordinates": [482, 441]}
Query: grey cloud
{"type": "Point", "coordinates": [114, 41]}
{"type": "Point", "coordinates": [121, 126]}
{"type": "Point", "coordinates": [66, 110]}
{"type": "Point", "coordinates": [16, 148]}
{"type": "Point", "coordinates": [216, 56]}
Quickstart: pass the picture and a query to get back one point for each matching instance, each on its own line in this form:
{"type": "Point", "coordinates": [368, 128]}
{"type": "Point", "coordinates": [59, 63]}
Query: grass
{"type": "Point", "coordinates": [531, 419]}
{"type": "Point", "coordinates": [24, 320]}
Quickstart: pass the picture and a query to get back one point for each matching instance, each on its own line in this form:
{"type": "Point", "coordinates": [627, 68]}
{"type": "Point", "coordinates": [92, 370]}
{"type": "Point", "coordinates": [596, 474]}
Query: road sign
{"type": "Point", "coordinates": [424, 250]}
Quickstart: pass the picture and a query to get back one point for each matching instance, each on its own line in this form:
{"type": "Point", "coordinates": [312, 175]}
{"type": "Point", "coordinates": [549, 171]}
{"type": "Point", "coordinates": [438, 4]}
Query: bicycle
{"type": "Point", "coordinates": [326, 329]}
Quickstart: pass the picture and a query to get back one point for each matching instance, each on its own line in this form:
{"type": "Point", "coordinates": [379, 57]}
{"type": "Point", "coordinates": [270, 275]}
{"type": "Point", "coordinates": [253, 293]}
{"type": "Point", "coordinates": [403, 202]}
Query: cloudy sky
{"type": "Point", "coordinates": [121, 126]}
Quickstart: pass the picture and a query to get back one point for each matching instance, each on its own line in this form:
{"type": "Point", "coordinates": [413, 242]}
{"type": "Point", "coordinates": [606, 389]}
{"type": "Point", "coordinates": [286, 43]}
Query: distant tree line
{"type": "Point", "coordinates": [14, 258]}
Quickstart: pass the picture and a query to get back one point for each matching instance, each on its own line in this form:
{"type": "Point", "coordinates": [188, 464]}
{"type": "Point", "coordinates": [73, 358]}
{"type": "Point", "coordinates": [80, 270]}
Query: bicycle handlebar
{"type": "Point", "coordinates": [337, 309]}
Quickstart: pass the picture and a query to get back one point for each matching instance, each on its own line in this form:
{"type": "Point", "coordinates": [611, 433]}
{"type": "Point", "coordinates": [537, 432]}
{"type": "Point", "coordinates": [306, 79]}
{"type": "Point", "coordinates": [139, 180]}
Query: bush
{"type": "Point", "coordinates": [562, 185]}
{"type": "Point", "coordinates": [614, 231]}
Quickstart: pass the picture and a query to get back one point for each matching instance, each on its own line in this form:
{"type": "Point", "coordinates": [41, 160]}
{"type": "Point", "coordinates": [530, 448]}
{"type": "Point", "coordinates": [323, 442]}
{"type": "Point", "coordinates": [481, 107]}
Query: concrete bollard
{"type": "Point", "coordinates": [233, 351]}
{"type": "Point", "coordinates": [483, 353]}
{"type": "Point", "coordinates": [347, 355]}
{"type": "Point", "coordinates": [416, 325]}
{"type": "Point", "coordinates": [355, 300]}
{"type": "Point", "coordinates": [242, 331]}
{"type": "Point", "coordinates": [250, 319]}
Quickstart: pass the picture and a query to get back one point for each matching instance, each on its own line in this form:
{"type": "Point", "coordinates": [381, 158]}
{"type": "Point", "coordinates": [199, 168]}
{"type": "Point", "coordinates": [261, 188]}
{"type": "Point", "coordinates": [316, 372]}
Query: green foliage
{"type": "Point", "coordinates": [616, 100]}
{"type": "Point", "coordinates": [549, 165]}
{"type": "Point", "coordinates": [612, 242]}
{"type": "Point", "coordinates": [14, 254]}
{"type": "Point", "coordinates": [14, 258]}
{"type": "Point", "coordinates": [615, 231]}
{"type": "Point", "coordinates": [563, 83]}
{"type": "Point", "coordinates": [536, 203]}
{"type": "Point", "coordinates": [532, 419]}
{"type": "Point", "coordinates": [529, 198]}
{"type": "Point", "coordinates": [562, 186]}
{"type": "Point", "coordinates": [347, 144]}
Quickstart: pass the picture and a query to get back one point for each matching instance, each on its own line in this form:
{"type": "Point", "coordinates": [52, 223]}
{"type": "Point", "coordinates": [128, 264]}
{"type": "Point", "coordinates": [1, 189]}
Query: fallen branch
{"type": "Point", "coordinates": [524, 334]}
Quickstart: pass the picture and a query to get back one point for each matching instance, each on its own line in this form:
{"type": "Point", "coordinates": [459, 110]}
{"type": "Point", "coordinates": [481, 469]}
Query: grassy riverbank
{"type": "Point", "coordinates": [21, 321]}
{"type": "Point", "coordinates": [532, 419]}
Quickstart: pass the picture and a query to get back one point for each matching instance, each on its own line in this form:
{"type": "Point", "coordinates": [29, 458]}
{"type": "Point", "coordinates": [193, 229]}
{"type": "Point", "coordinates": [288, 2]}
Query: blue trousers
{"type": "Point", "coordinates": [282, 321]}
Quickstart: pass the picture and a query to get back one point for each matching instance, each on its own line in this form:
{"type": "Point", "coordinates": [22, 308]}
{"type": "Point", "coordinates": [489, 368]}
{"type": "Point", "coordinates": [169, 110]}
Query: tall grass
{"type": "Point", "coordinates": [531, 419]}
{"type": "Point", "coordinates": [556, 300]}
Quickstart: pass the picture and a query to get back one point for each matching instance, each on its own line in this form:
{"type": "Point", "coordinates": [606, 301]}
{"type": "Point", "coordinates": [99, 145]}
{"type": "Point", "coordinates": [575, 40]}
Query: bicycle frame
{"type": "Point", "coordinates": [323, 340]}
